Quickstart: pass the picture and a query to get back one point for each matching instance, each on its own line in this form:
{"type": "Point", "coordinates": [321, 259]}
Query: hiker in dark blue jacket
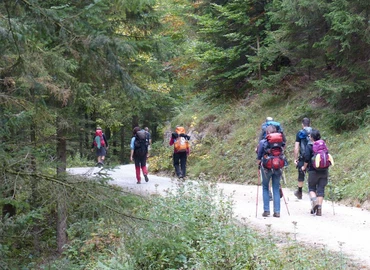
{"type": "Point", "coordinates": [267, 174]}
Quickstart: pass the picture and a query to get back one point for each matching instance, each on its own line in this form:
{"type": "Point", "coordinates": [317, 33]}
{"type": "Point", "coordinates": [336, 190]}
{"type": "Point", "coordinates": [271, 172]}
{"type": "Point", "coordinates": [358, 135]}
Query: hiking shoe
{"type": "Point", "coordinates": [276, 215]}
{"type": "Point", "coordinates": [298, 194]}
{"type": "Point", "coordinates": [266, 213]}
{"type": "Point", "coordinates": [138, 182]}
{"type": "Point", "coordinates": [318, 211]}
{"type": "Point", "coordinates": [270, 195]}
{"type": "Point", "coordinates": [314, 206]}
{"type": "Point", "coordinates": [146, 178]}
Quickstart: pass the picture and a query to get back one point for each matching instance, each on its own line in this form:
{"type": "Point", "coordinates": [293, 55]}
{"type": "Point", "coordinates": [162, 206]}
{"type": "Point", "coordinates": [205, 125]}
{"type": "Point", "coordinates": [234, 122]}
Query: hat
{"type": "Point", "coordinates": [269, 118]}
{"type": "Point", "coordinates": [98, 128]}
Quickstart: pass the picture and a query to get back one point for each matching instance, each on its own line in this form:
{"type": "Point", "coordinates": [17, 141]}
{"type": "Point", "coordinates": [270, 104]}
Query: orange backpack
{"type": "Point", "coordinates": [181, 143]}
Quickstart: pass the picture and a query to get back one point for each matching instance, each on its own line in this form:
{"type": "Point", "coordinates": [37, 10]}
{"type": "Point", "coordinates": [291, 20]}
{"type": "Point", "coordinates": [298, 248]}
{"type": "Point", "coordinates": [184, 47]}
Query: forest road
{"type": "Point", "coordinates": [340, 228]}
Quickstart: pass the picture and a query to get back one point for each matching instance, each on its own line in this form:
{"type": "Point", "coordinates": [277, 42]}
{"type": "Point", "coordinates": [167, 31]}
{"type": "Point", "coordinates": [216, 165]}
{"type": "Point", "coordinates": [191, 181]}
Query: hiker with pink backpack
{"type": "Point", "coordinates": [317, 161]}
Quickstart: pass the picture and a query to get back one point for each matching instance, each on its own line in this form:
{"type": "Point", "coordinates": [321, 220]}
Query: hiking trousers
{"type": "Point", "coordinates": [140, 162]}
{"type": "Point", "coordinates": [179, 162]}
{"type": "Point", "coordinates": [274, 176]}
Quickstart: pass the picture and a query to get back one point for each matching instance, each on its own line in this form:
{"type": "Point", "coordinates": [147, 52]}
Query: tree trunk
{"type": "Point", "coordinates": [122, 153]}
{"type": "Point", "coordinates": [61, 199]}
{"type": "Point", "coordinates": [34, 197]}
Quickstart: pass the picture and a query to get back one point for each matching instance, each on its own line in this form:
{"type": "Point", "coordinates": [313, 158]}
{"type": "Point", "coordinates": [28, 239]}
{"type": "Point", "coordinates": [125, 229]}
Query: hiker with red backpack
{"type": "Point", "coordinates": [101, 144]}
{"type": "Point", "coordinates": [317, 161]}
{"type": "Point", "coordinates": [270, 160]}
{"type": "Point", "coordinates": [301, 142]}
{"type": "Point", "coordinates": [181, 150]}
{"type": "Point", "coordinates": [262, 135]}
{"type": "Point", "coordinates": [139, 152]}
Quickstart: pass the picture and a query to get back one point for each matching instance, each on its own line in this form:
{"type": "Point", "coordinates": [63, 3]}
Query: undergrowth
{"type": "Point", "coordinates": [191, 227]}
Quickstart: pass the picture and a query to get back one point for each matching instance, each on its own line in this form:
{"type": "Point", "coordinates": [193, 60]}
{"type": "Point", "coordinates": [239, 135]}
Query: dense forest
{"type": "Point", "coordinates": [69, 66]}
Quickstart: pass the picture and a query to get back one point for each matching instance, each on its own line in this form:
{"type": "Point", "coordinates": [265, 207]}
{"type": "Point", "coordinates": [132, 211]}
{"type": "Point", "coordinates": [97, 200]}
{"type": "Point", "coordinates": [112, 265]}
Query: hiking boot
{"type": "Point", "coordinates": [270, 195]}
{"type": "Point", "coordinates": [314, 205]}
{"type": "Point", "coordinates": [314, 209]}
{"type": "Point", "coordinates": [266, 213]}
{"type": "Point", "coordinates": [276, 214]}
{"type": "Point", "coordinates": [138, 182]}
{"type": "Point", "coordinates": [318, 211]}
{"type": "Point", "coordinates": [99, 164]}
{"type": "Point", "coordinates": [298, 194]}
{"type": "Point", "coordinates": [146, 178]}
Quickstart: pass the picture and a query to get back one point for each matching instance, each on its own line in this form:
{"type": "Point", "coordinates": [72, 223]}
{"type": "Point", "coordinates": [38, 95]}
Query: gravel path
{"type": "Point", "coordinates": [340, 228]}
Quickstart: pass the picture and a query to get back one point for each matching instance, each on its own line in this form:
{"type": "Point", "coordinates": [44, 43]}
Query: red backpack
{"type": "Point", "coordinates": [274, 153]}
{"type": "Point", "coordinates": [99, 138]}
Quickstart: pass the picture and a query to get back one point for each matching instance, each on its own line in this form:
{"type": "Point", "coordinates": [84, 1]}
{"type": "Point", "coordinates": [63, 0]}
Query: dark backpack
{"type": "Point", "coordinates": [304, 140]}
{"type": "Point", "coordinates": [141, 143]}
{"type": "Point", "coordinates": [321, 159]}
{"type": "Point", "coordinates": [274, 153]}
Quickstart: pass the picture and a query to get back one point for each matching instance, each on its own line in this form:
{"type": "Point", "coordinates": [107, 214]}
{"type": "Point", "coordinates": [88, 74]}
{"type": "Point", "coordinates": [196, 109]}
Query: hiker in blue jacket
{"type": "Point", "coordinates": [267, 174]}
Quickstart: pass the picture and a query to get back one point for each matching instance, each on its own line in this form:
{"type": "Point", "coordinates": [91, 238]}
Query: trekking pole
{"type": "Point", "coordinates": [332, 197]}
{"type": "Point", "coordinates": [286, 204]}
{"type": "Point", "coordinates": [258, 183]}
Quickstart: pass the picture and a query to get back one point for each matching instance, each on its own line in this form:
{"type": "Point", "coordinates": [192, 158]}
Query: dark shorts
{"type": "Point", "coordinates": [101, 152]}
{"type": "Point", "coordinates": [317, 181]}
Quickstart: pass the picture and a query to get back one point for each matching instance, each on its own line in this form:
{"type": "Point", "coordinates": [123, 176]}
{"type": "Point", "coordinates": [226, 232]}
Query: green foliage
{"type": "Point", "coordinates": [160, 159]}
{"type": "Point", "coordinates": [193, 226]}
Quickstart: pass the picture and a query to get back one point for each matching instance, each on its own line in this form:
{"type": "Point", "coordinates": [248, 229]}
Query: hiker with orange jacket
{"type": "Point", "coordinates": [181, 150]}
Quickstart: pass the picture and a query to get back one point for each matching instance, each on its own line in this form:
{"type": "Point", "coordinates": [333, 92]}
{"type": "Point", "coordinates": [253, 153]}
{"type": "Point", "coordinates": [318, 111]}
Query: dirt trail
{"type": "Point", "coordinates": [340, 228]}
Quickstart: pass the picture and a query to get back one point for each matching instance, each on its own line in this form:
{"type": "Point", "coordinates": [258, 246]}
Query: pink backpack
{"type": "Point", "coordinates": [321, 159]}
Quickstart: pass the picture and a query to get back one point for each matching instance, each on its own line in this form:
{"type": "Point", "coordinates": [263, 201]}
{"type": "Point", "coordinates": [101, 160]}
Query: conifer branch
{"type": "Point", "coordinates": [81, 191]}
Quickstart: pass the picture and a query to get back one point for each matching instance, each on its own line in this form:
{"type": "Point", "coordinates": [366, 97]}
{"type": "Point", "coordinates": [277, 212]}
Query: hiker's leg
{"type": "Point", "coordinates": [137, 168]}
{"type": "Point", "coordinates": [103, 152]}
{"type": "Point", "coordinates": [176, 163]}
{"type": "Point", "coordinates": [276, 176]}
{"type": "Point", "coordinates": [98, 155]}
{"type": "Point", "coordinates": [298, 193]}
{"type": "Point", "coordinates": [266, 175]}
{"type": "Point", "coordinates": [321, 184]}
{"type": "Point", "coordinates": [183, 158]}
{"type": "Point", "coordinates": [143, 165]}
{"type": "Point", "coordinates": [313, 180]}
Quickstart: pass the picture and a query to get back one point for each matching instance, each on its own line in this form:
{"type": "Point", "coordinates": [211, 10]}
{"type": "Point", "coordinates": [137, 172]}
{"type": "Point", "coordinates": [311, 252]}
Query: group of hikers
{"type": "Point", "coordinates": [311, 156]}
{"type": "Point", "coordinates": [140, 146]}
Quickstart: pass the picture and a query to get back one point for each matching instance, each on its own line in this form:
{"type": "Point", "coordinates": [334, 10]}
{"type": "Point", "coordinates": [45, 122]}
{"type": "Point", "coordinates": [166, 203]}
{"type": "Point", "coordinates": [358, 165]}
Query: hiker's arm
{"type": "Point", "coordinates": [304, 167]}
{"type": "Point", "coordinates": [284, 140]}
{"type": "Point", "coordinates": [260, 152]}
{"type": "Point", "coordinates": [296, 152]}
{"type": "Point", "coordinates": [307, 157]}
{"type": "Point", "coordinates": [132, 147]}
{"type": "Point", "coordinates": [172, 140]}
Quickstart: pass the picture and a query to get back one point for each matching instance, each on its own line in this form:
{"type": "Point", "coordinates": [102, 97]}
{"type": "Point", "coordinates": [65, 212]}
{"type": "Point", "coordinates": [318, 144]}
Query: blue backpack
{"type": "Point", "coordinates": [304, 140]}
